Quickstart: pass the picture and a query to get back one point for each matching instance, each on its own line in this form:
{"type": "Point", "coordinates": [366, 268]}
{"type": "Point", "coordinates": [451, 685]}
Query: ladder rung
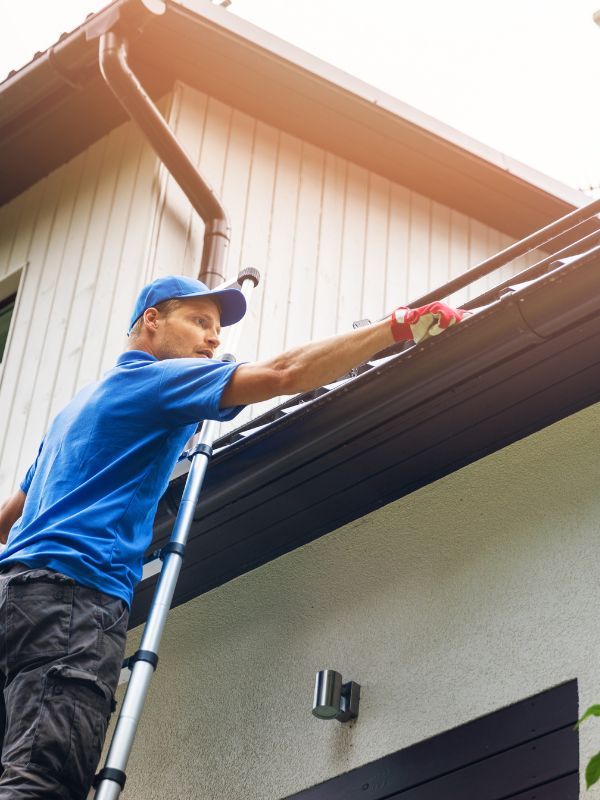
{"type": "Point", "coordinates": [151, 568]}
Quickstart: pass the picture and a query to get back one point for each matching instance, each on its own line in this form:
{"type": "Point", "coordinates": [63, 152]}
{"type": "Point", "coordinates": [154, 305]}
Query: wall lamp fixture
{"type": "Point", "coordinates": [334, 699]}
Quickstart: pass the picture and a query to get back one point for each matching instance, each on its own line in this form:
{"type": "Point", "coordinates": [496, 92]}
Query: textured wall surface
{"type": "Point", "coordinates": [459, 599]}
{"type": "Point", "coordinates": [334, 243]}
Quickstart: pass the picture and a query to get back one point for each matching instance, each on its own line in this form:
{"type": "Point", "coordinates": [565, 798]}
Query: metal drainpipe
{"type": "Point", "coordinates": [130, 93]}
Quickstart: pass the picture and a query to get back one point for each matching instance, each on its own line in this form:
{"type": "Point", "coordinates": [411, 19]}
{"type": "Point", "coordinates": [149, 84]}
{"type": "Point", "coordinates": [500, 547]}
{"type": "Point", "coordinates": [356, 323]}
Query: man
{"type": "Point", "coordinates": [81, 521]}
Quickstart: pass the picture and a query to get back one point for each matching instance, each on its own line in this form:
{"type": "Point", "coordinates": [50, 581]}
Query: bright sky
{"type": "Point", "coordinates": [522, 76]}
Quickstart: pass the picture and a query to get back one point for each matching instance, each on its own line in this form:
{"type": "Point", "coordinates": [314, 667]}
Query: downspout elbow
{"type": "Point", "coordinates": [131, 95]}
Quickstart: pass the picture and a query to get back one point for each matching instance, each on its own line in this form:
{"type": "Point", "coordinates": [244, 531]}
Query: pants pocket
{"type": "Point", "coordinates": [39, 605]}
{"type": "Point", "coordinates": [72, 724]}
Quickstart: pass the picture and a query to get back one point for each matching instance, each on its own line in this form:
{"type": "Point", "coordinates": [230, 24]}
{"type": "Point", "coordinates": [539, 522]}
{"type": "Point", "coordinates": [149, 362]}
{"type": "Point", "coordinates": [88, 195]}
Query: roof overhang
{"type": "Point", "coordinates": [58, 104]}
{"type": "Point", "coordinates": [518, 365]}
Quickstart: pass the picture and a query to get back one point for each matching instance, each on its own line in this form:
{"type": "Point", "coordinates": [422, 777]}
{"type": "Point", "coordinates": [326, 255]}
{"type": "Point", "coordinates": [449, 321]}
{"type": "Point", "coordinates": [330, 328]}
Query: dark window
{"type": "Point", "coordinates": [7, 306]}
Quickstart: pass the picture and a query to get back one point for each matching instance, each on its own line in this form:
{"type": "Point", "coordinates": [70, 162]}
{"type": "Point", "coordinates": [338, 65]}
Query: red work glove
{"type": "Point", "coordinates": [419, 323]}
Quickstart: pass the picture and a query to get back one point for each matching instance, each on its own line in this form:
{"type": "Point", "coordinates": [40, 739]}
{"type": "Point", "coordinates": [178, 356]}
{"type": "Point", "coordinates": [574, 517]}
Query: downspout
{"type": "Point", "coordinates": [129, 92]}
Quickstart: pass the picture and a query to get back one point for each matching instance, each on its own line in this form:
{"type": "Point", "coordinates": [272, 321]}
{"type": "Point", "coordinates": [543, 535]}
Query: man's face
{"type": "Point", "coordinates": [190, 331]}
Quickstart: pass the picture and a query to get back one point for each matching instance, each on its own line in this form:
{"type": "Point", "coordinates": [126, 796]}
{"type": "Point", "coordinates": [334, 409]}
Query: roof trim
{"type": "Point", "coordinates": [317, 69]}
{"type": "Point", "coordinates": [194, 41]}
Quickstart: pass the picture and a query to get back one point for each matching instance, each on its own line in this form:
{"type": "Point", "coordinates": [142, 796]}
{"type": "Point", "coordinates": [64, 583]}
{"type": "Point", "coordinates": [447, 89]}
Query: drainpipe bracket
{"type": "Point", "coordinates": [103, 24]}
{"type": "Point", "coordinates": [136, 14]}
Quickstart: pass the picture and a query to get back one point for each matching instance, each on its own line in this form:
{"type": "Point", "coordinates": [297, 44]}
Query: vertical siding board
{"type": "Point", "coordinates": [478, 252]}
{"type": "Point", "coordinates": [440, 245]}
{"type": "Point", "coordinates": [236, 180]}
{"type": "Point", "coordinates": [130, 277]}
{"type": "Point", "coordinates": [353, 248]}
{"type": "Point", "coordinates": [101, 248]}
{"type": "Point", "coordinates": [49, 325]}
{"type": "Point", "coordinates": [306, 245]}
{"type": "Point", "coordinates": [398, 245]}
{"type": "Point", "coordinates": [419, 246]}
{"type": "Point", "coordinates": [15, 356]}
{"type": "Point", "coordinates": [256, 230]}
{"type": "Point", "coordinates": [324, 321]}
{"type": "Point", "coordinates": [280, 255]}
{"type": "Point", "coordinates": [376, 252]}
{"type": "Point", "coordinates": [117, 233]}
{"type": "Point", "coordinates": [281, 249]}
{"type": "Point", "coordinates": [215, 140]}
{"type": "Point", "coordinates": [459, 252]}
{"type": "Point", "coordinates": [54, 367]}
{"type": "Point", "coordinates": [17, 388]}
{"type": "Point", "coordinates": [190, 128]}
{"type": "Point", "coordinates": [99, 165]}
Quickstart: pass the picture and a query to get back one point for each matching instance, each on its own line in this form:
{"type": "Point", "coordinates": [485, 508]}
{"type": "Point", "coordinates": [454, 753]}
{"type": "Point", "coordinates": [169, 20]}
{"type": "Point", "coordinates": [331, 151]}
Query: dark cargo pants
{"type": "Point", "coordinates": [61, 648]}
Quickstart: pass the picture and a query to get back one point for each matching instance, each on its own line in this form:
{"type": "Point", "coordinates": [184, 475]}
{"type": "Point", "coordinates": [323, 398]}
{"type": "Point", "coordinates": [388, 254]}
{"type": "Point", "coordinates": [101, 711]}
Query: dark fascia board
{"type": "Point", "coordinates": [515, 367]}
{"type": "Point", "coordinates": [58, 104]}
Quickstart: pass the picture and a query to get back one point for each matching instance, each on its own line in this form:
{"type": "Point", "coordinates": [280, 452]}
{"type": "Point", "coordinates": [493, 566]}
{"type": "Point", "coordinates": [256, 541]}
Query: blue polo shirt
{"type": "Point", "coordinates": [104, 464]}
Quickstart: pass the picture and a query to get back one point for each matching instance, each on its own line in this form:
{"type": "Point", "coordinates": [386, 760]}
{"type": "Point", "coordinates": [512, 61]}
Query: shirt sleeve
{"type": "Point", "coordinates": [26, 482]}
{"type": "Point", "coordinates": [191, 388]}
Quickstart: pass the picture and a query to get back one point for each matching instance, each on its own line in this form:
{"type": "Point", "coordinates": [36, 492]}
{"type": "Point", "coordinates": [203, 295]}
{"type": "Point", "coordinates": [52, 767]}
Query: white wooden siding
{"type": "Point", "coordinates": [334, 244]}
{"type": "Point", "coordinates": [83, 232]}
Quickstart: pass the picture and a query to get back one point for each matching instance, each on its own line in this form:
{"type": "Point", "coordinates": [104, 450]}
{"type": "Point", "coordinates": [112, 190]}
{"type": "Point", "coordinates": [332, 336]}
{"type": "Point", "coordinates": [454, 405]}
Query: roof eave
{"type": "Point", "coordinates": [272, 80]}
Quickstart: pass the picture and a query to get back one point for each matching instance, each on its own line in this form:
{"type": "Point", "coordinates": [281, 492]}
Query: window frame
{"type": "Point", "coordinates": [11, 286]}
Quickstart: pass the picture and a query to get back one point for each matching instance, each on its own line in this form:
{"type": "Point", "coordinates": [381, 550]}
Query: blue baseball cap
{"type": "Point", "coordinates": [173, 287]}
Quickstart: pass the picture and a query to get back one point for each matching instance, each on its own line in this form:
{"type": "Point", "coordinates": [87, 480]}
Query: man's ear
{"type": "Point", "coordinates": [151, 317]}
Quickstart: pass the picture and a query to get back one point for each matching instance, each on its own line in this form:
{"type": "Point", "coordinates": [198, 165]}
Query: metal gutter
{"type": "Point", "coordinates": [129, 92]}
{"type": "Point", "coordinates": [524, 362]}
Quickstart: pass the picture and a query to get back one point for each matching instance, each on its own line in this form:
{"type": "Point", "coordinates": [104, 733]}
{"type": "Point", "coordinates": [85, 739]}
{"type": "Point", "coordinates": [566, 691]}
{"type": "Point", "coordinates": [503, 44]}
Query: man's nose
{"type": "Point", "coordinates": [213, 338]}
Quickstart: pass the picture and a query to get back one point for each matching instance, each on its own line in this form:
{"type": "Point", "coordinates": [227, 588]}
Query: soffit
{"type": "Point", "coordinates": [58, 104]}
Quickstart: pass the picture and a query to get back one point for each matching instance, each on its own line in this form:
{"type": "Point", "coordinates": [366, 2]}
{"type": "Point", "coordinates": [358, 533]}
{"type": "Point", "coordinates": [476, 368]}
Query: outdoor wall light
{"type": "Point", "coordinates": [334, 699]}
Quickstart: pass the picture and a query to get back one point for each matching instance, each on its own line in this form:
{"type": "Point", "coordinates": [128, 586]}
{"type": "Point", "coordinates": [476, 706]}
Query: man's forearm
{"type": "Point", "coordinates": [10, 511]}
{"type": "Point", "coordinates": [307, 367]}
{"type": "Point", "coordinates": [318, 363]}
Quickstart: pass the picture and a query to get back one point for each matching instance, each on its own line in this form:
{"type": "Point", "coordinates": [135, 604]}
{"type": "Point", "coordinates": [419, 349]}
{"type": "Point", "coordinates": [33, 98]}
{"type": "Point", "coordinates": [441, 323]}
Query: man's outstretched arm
{"type": "Point", "coordinates": [306, 367]}
{"type": "Point", "coordinates": [317, 363]}
{"type": "Point", "coordinates": [10, 511]}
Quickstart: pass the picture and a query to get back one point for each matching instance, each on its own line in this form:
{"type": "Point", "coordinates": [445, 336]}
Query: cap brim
{"type": "Point", "coordinates": [231, 301]}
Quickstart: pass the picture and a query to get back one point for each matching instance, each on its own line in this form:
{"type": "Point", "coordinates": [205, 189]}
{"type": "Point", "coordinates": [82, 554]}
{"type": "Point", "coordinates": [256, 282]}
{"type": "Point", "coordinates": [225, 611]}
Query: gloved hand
{"type": "Point", "coordinates": [419, 323]}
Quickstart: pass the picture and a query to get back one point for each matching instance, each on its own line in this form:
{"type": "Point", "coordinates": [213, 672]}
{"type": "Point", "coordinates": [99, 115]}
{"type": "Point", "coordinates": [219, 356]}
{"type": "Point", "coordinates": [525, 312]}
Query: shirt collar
{"type": "Point", "coordinates": [129, 356]}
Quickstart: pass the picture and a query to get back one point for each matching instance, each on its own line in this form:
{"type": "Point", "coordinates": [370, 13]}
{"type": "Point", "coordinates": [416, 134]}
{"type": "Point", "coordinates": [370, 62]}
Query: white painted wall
{"type": "Point", "coordinates": [467, 595]}
{"type": "Point", "coordinates": [334, 243]}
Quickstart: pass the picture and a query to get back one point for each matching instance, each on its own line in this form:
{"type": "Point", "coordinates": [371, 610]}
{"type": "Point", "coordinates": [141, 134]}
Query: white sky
{"type": "Point", "coordinates": [522, 76]}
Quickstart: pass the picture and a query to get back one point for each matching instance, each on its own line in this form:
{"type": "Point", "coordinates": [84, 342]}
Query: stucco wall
{"type": "Point", "coordinates": [459, 599]}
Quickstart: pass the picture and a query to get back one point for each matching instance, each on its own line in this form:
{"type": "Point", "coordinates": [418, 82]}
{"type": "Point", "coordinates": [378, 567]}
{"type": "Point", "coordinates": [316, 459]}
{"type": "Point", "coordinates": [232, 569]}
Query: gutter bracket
{"type": "Point", "coordinates": [145, 11]}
